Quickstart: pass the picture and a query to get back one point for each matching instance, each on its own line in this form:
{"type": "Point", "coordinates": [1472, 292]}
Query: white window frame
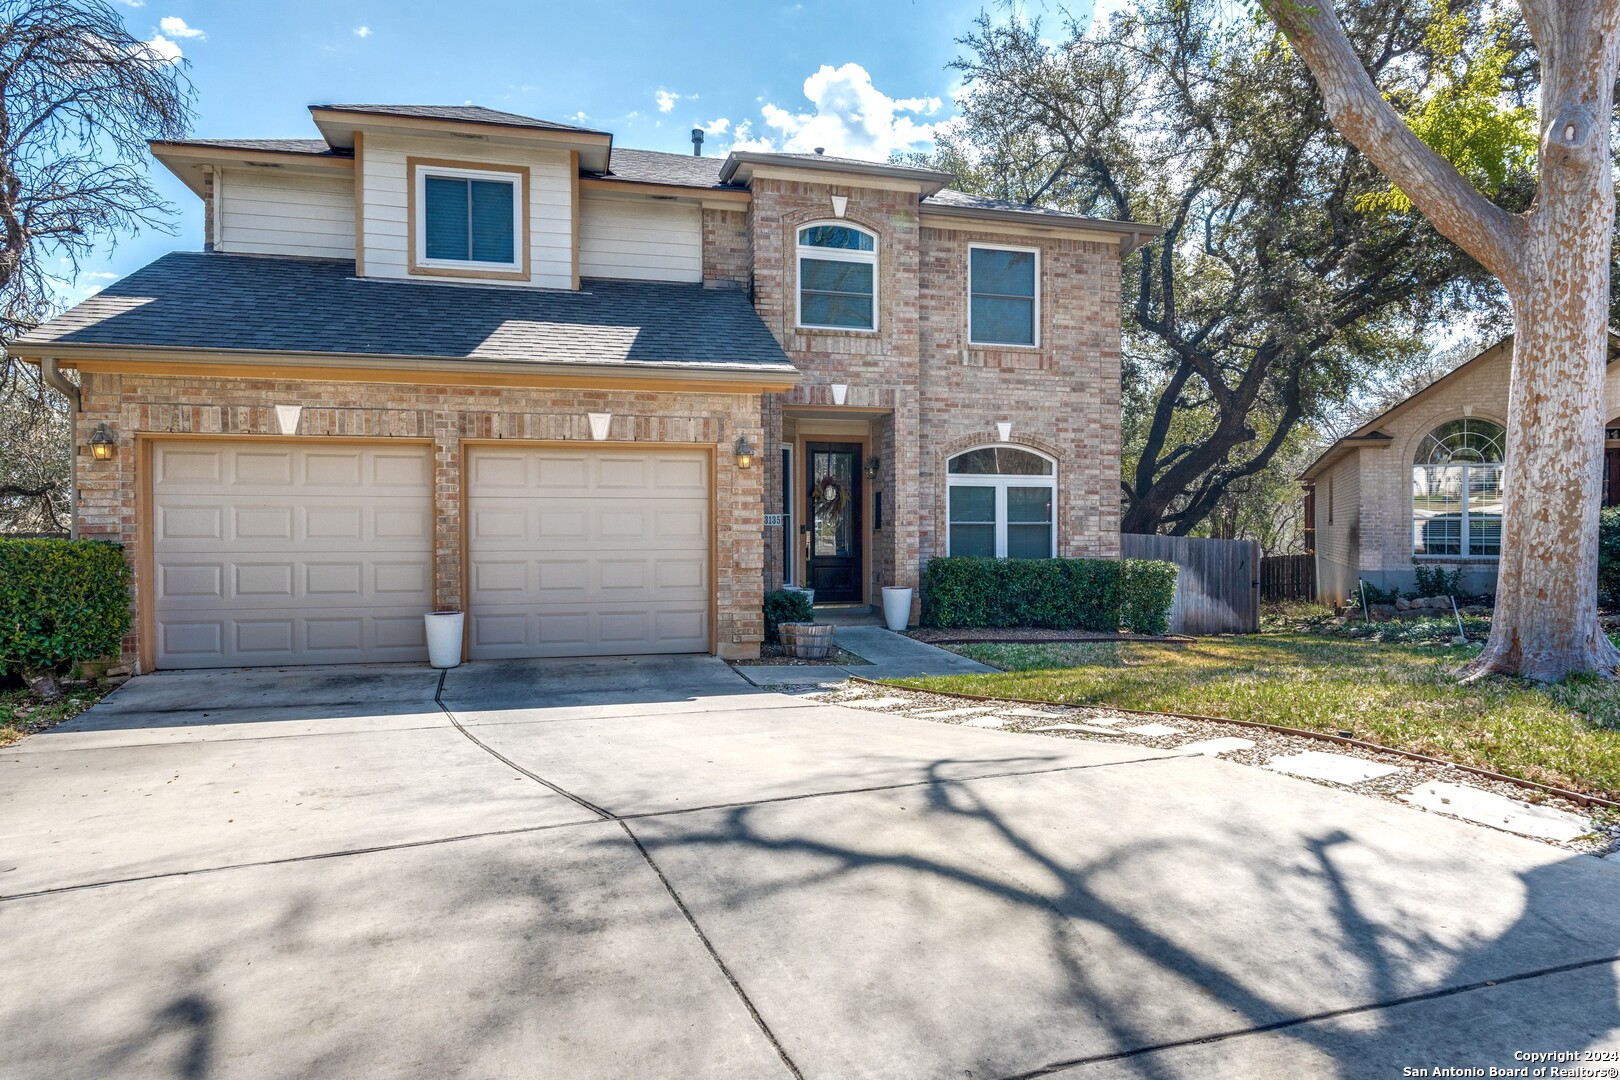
{"type": "Point", "coordinates": [1001, 483]}
{"type": "Point", "coordinates": [1464, 514]}
{"type": "Point", "coordinates": [1036, 314]}
{"type": "Point", "coordinates": [802, 252]}
{"type": "Point", "coordinates": [446, 172]}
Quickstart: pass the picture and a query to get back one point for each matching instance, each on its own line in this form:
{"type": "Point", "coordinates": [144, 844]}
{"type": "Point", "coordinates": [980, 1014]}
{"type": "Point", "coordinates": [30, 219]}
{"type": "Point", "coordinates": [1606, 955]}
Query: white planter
{"type": "Point", "coordinates": [896, 607]}
{"type": "Point", "coordinates": [444, 637]}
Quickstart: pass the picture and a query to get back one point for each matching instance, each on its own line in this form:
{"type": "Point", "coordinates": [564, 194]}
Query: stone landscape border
{"type": "Point", "coordinates": [1580, 798]}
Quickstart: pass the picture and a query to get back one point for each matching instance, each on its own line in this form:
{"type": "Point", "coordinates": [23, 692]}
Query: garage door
{"type": "Point", "coordinates": [290, 553]}
{"type": "Point", "coordinates": [587, 552]}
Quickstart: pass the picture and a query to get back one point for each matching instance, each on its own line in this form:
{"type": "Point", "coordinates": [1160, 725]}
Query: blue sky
{"type": "Point", "coordinates": [860, 78]}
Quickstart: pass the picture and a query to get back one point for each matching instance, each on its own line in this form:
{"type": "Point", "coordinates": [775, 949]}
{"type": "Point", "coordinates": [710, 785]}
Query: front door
{"type": "Point", "coordinates": [835, 521]}
{"type": "Point", "coordinates": [1611, 476]}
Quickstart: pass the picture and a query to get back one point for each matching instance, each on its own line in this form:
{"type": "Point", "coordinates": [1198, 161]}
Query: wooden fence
{"type": "Point", "coordinates": [1288, 577]}
{"type": "Point", "coordinates": [1218, 588]}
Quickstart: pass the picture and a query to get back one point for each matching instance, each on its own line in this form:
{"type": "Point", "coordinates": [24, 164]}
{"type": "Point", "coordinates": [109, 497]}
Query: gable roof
{"type": "Point", "coordinates": [1368, 433]}
{"type": "Point", "coordinates": [307, 147]}
{"type": "Point", "coordinates": [268, 306]}
{"type": "Point", "coordinates": [464, 114]}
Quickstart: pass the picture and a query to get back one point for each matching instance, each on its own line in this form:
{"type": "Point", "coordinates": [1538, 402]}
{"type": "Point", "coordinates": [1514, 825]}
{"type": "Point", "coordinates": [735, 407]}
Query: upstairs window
{"type": "Point", "coordinates": [1001, 504]}
{"type": "Point", "coordinates": [468, 219]}
{"type": "Point", "coordinates": [1457, 490]}
{"type": "Point", "coordinates": [1004, 307]}
{"type": "Point", "coordinates": [837, 277]}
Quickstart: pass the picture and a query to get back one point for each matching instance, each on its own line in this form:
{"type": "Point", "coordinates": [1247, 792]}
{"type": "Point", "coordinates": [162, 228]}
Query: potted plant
{"type": "Point", "coordinates": [807, 640]}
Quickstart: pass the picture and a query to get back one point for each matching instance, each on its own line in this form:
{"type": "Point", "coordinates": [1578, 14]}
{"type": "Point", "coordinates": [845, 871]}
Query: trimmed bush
{"type": "Point", "coordinates": [61, 601]}
{"type": "Point", "coordinates": [786, 605]}
{"type": "Point", "coordinates": [1056, 594]}
{"type": "Point", "coordinates": [1147, 589]}
{"type": "Point", "coordinates": [1609, 555]}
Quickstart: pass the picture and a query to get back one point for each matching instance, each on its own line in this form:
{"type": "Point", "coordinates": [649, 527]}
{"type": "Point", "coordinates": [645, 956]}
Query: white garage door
{"type": "Point", "coordinates": [290, 553]}
{"type": "Point", "coordinates": [587, 552]}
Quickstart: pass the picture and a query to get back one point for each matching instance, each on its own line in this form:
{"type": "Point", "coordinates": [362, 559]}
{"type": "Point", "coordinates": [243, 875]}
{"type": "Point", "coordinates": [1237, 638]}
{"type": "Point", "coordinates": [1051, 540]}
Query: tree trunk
{"type": "Point", "coordinates": [1545, 625]}
{"type": "Point", "coordinates": [1554, 264]}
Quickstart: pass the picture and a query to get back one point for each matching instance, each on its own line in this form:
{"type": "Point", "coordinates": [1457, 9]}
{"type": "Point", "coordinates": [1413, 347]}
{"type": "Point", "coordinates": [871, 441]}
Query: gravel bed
{"type": "Point", "coordinates": [1605, 839]}
{"type": "Point", "coordinates": [774, 655]}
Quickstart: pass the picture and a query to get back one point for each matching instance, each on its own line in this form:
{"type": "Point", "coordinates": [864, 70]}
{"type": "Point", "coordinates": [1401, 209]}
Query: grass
{"type": "Point", "coordinates": [21, 715]}
{"type": "Point", "coordinates": [1398, 694]}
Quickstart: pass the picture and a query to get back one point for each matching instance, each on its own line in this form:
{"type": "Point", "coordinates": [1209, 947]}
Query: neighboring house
{"type": "Point", "coordinates": [1421, 484]}
{"type": "Point", "coordinates": [445, 357]}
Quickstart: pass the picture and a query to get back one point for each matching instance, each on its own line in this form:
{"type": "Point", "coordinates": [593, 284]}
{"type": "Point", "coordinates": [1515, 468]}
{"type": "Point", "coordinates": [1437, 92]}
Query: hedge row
{"type": "Point", "coordinates": [1100, 595]}
{"type": "Point", "coordinates": [60, 601]}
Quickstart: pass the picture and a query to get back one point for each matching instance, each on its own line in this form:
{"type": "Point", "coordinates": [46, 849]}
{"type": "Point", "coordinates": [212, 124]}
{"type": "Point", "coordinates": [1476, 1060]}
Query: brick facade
{"type": "Point", "coordinates": [155, 406]}
{"type": "Point", "coordinates": [917, 391]}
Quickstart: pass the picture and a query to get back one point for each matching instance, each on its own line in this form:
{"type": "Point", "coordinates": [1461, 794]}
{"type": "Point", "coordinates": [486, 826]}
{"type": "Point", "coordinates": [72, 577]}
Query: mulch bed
{"type": "Point", "coordinates": [774, 654]}
{"type": "Point", "coordinates": [1023, 635]}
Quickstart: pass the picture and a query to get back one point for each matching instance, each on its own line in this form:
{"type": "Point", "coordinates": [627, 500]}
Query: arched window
{"type": "Point", "coordinates": [1457, 490]}
{"type": "Point", "coordinates": [1001, 504]}
{"type": "Point", "coordinates": [837, 276]}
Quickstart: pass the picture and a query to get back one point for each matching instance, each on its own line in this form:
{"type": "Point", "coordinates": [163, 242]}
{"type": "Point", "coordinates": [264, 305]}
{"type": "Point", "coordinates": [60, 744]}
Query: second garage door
{"type": "Point", "coordinates": [587, 552]}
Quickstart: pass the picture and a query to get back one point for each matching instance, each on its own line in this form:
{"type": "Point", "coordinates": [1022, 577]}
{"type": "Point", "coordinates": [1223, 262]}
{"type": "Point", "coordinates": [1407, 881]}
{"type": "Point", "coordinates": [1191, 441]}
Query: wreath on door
{"type": "Point", "coordinates": [832, 497]}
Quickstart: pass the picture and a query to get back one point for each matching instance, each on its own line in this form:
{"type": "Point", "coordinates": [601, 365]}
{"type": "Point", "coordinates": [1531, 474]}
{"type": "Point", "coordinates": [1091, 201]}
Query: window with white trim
{"type": "Point", "coordinates": [468, 218]}
{"type": "Point", "coordinates": [1001, 503]}
{"type": "Point", "coordinates": [1004, 300]}
{"type": "Point", "coordinates": [837, 276]}
{"type": "Point", "coordinates": [1457, 490]}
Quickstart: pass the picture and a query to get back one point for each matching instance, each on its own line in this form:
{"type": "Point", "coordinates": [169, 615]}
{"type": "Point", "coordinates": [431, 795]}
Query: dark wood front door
{"type": "Point", "coordinates": [1611, 476]}
{"type": "Point", "coordinates": [834, 472]}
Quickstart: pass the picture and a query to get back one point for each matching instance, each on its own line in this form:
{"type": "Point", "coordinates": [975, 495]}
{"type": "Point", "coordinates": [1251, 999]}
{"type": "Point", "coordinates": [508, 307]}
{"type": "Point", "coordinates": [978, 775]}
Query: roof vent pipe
{"type": "Point", "coordinates": [821, 150]}
{"type": "Point", "coordinates": [697, 142]}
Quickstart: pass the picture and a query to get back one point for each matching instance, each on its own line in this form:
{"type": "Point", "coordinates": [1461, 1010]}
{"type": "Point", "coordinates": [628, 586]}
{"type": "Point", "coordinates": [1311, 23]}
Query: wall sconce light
{"type": "Point", "coordinates": [1004, 430]}
{"type": "Point", "coordinates": [744, 452]}
{"type": "Point", "coordinates": [839, 392]}
{"type": "Point", "coordinates": [102, 443]}
{"type": "Point", "coordinates": [874, 465]}
{"type": "Point", "coordinates": [600, 422]}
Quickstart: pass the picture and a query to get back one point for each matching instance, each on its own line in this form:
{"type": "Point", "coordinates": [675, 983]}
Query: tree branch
{"type": "Point", "coordinates": [1362, 115]}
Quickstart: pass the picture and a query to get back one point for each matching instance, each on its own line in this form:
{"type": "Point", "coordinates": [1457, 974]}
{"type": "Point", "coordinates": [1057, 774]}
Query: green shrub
{"type": "Point", "coordinates": [786, 605]}
{"type": "Point", "coordinates": [61, 601]}
{"type": "Point", "coordinates": [1609, 555]}
{"type": "Point", "coordinates": [1147, 588]}
{"type": "Point", "coordinates": [1434, 581]}
{"type": "Point", "coordinates": [1058, 594]}
{"type": "Point", "coordinates": [1366, 590]}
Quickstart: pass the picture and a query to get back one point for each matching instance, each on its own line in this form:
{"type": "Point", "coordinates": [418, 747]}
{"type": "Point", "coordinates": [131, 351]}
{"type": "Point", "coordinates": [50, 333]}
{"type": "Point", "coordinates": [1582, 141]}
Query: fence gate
{"type": "Point", "coordinates": [1288, 577]}
{"type": "Point", "coordinates": [1218, 587]}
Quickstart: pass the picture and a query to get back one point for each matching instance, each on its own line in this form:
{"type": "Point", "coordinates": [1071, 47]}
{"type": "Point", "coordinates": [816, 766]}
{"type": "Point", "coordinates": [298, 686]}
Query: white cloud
{"type": "Point", "coordinates": [851, 118]}
{"type": "Point", "coordinates": [362, 31]}
{"type": "Point", "coordinates": [133, 3]}
{"type": "Point", "coordinates": [666, 100]}
{"type": "Point", "coordinates": [175, 27]}
{"type": "Point", "coordinates": [161, 48]}
{"type": "Point", "coordinates": [717, 126]}
{"type": "Point", "coordinates": [1103, 10]}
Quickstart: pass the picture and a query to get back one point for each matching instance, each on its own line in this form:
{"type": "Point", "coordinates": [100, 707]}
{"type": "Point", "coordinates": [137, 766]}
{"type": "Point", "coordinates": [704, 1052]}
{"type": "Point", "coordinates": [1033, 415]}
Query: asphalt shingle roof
{"type": "Point", "coordinates": [206, 301]}
{"type": "Point", "coordinates": [466, 114]}
{"type": "Point", "coordinates": [657, 167]}
{"type": "Point", "coordinates": [314, 147]}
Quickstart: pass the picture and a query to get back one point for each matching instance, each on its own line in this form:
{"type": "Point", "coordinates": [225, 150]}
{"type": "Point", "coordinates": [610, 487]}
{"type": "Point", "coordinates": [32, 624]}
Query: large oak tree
{"type": "Point", "coordinates": [1553, 260]}
{"type": "Point", "coordinates": [1288, 274]}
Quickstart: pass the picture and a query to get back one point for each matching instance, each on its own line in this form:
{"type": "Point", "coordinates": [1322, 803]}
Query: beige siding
{"type": "Point", "coordinates": [1338, 529]}
{"type": "Point", "coordinates": [640, 239]}
{"type": "Point", "coordinates": [385, 201]}
{"type": "Point", "coordinates": [273, 212]}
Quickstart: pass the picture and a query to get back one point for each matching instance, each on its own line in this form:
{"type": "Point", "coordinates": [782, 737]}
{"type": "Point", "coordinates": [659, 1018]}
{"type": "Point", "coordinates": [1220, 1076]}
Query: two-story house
{"type": "Point", "coordinates": [601, 399]}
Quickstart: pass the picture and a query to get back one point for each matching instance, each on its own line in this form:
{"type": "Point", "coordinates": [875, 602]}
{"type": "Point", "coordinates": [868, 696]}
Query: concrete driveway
{"type": "Point", "coordinates": [649, 868]}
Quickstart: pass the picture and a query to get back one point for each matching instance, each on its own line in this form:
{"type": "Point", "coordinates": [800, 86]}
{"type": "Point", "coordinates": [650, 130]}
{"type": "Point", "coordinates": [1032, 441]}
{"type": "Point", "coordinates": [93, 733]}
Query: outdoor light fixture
{"type": "Point", "coordinates": [839, 391]}
{"type": "Point", "coordinates": [873, 465]}
{"type": "Point", "coordinates": [744, 452]}
{"type": "Point", "coordinates": [102, 443]}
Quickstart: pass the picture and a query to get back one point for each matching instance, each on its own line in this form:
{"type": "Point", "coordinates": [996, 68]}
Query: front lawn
{"type": "Point", "coordinates": [1397, 695]}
